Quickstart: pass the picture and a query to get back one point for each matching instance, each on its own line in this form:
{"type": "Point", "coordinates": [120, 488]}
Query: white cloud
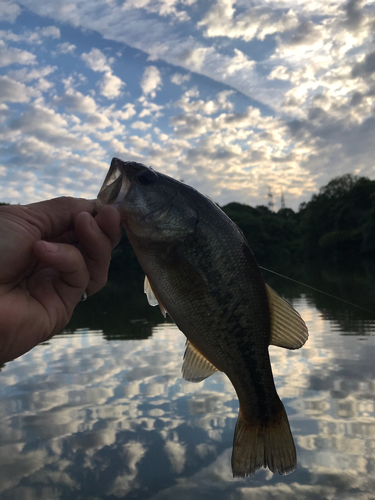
{"type": "Point", "coordinates": [12, 55]}
{"type": "Point", "coordinates": [77, 102]}
{"type": "Point", "coordinates": [66, 48]}
{"type": "Point", "coordinates": [9, 11]}
{"type": "Point", "coordinates": [127, 112]}
{"type": "Point", "coordinates": [141, 125]}
{"type": "Point", "coordinates": [51, 31]}
{"type": "Point", "coordinates": [162, 8]}
{"type": "Point", "coordinates": [238, 63]}
{"type": "Point", "coordinates": [111, 85]}
{"type": "Point", "coordinates": [206, 107]}
{"type": "Point", "coordinates": [151, 81]}
{"type": "Point", "coordinates": [179, 79]}
{"type": "Point", "coordinates": [97, 61]}
{"type": "Point", "coordinates": [13, 91]}
{"type": "Point", "coordinates": [26, 75]}
{"type": "Point", "coordinates": [255, 21]}
{"type": "Point", "coordinates": [37, 36]}
{"type": "Point", "coordinates": [8, 35]}
{"type": "Point", "coordinates": [150, 109]}
{"type": "Point", "coordinates": [54, 129]}
{"type": "Point", "coordinates": [197, 57]}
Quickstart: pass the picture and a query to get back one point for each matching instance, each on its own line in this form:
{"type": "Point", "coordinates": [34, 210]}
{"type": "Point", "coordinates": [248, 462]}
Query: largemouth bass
{"type": "Point", "coordinates": [200, 269]}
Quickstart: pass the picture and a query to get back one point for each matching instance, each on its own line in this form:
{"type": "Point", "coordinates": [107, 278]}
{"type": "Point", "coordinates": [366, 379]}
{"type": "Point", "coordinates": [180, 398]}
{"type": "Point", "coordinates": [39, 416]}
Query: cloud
{"type": "Point", "coordinates": [97, 61]}
{"type": "Point", "coordinates": [51, 31]}
{"type": "Point", "coordinates": [77, 102]}
{"type": "Point", "coordinates": [12, 55]}
{"type": "Point", "coordinates": [141, 125]}
{"type": "Point", "coordinates": [238, 64]}
{"type": "Point", "coordinates": [32, 37]}
{"type": "Point", "coordinates": [29, 74]}
{"type": "Point", "coordinates": [354, 16]}
{"type": "Point", "coordinates": [111, 85]}
{"type": "Point", "coordinates": [307, 34]}
{"type": "Point", "coordinates": [53, 129]}
{"type": "Point", "coordinates": [13, 91]}
{"type": "Point", "coordinates": [9, 11]}
{"type": "Point", "coordinates": [150, 109]}
{"type": "Point", "coordinates": [196, 57]}
{"type": "Point", "coordinates": [206, 107]}
{"type": "Point", "coordinates": [179, 79]}
{"type": "Point", "coordinates": [127, 112]}
{"type": "Point", "coordinates": [151, 81]}
{"type": "Point", "coordinates": [164, 8]}
{"type": "Point", "coordinates": [66, 48]}
{"type": "Point", "coordinates": [366, 67]}
{"type": "Point", "coordinates": [255, 21]}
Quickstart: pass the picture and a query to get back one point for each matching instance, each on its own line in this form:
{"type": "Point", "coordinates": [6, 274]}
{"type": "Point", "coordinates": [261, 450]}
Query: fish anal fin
{"type": "Point", "coordinates": [152, 298]}
{"type": "Point", "coordinates": [270, 445]}
{"type": "Point", "coordinates": [196, 367]}
{"type": "Point", "coordinates": [287, 327]}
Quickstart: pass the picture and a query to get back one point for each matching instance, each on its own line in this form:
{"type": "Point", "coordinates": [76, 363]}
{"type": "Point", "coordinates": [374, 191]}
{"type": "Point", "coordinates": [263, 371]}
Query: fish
{"type": "Point", "coordinates": [201, 271]}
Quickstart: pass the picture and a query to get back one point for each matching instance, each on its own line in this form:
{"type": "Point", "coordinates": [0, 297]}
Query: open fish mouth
{"type": "Point", "coordinates": [115, 187]}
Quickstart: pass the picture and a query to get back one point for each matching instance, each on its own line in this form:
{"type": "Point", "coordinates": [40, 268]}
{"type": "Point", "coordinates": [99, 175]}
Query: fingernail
{"type": "Point", "coordinates": [50, 247]}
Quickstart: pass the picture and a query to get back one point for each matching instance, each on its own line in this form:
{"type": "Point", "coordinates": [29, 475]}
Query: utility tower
{"type": "Point", "coordinates": [282, 200]}
{"type": "Point", "coordinates": [270, 199]}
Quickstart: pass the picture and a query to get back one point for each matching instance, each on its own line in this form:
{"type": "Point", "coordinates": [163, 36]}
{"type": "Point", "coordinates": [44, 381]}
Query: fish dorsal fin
{"type": "Point", "coordinates": [287, 327]}
{"type": "Point", "coordinates": [151, 297]}
{"type": "Point", "coordinates": [196, 367]}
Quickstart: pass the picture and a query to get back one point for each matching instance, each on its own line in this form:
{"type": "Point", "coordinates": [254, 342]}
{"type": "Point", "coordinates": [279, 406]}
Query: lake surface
{"type": "Point", "coordinates": [101, 411]}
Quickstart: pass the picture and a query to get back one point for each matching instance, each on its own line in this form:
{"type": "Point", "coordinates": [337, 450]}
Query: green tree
{"type": "Point", "coordinates": [338, 222]}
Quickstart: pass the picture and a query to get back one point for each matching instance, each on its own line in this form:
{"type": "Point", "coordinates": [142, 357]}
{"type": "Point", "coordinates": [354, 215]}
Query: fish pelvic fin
{"type": "Point", "coordinates": [196, 367]}
{"type": "Point", "coordinates": [151, 297]}
{"type": "Point", "coordinates": [256, 446]}
{"type": "Point", "coordinates": [287, 327]}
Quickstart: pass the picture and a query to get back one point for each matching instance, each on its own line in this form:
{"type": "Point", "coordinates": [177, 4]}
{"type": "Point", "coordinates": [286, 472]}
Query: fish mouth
{"type": "Point", "coordinates": [115, 187]}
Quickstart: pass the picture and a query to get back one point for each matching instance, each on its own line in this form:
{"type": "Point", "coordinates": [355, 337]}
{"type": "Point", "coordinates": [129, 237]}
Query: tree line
{"type": "Point", "coordinates": [337, 224]}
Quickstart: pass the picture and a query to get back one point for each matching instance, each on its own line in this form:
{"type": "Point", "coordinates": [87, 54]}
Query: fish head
{"type": "Point", "coordinates": [152, 205]}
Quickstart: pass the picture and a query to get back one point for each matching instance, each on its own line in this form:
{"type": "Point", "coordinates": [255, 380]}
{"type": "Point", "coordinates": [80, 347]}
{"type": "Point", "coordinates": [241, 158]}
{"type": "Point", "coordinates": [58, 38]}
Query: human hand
{"type": "Point", "coordinates": [43, 274]}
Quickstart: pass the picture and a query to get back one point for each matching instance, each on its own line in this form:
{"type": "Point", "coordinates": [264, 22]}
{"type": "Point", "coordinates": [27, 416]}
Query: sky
{"type": "Point", "coordinates": [235, 98]}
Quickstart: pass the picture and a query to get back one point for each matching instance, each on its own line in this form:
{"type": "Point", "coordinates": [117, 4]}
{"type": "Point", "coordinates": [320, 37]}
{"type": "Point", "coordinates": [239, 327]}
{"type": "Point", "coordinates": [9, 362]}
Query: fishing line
{"type": "Point", "coordinates": [317, 290]}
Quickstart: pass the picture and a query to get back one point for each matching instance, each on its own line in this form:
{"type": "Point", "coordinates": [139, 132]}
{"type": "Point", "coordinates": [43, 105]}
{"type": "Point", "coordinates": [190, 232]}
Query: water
{"type": "Point", "coordinates": [93, 416]}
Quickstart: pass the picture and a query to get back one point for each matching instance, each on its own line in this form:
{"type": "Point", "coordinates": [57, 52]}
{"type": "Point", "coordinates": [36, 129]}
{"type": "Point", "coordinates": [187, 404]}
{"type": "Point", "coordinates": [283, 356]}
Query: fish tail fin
{"type": "Point", "coordinates": [270, 445]}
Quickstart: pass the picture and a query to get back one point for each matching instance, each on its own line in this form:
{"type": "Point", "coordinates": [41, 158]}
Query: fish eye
{"type": "Point", "coordinates": [146, 177]}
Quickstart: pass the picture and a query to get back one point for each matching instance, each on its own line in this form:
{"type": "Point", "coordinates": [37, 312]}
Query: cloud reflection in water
{"type": "Point", "coordinates": [84, 418]}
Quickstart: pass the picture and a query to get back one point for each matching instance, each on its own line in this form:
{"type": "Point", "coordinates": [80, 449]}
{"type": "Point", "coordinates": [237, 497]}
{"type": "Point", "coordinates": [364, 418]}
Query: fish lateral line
{"type": "Point", "coordinates": [318, 290]}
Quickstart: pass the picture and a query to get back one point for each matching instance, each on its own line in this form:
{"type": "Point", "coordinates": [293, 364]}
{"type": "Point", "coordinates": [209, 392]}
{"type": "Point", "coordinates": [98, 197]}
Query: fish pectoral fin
{"type": "Point", "coordinates": [287, 327]}
{"type": "Point", "coordinates": [196, 367]}
{"type": "Point", "coordinates": [151, 297]}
